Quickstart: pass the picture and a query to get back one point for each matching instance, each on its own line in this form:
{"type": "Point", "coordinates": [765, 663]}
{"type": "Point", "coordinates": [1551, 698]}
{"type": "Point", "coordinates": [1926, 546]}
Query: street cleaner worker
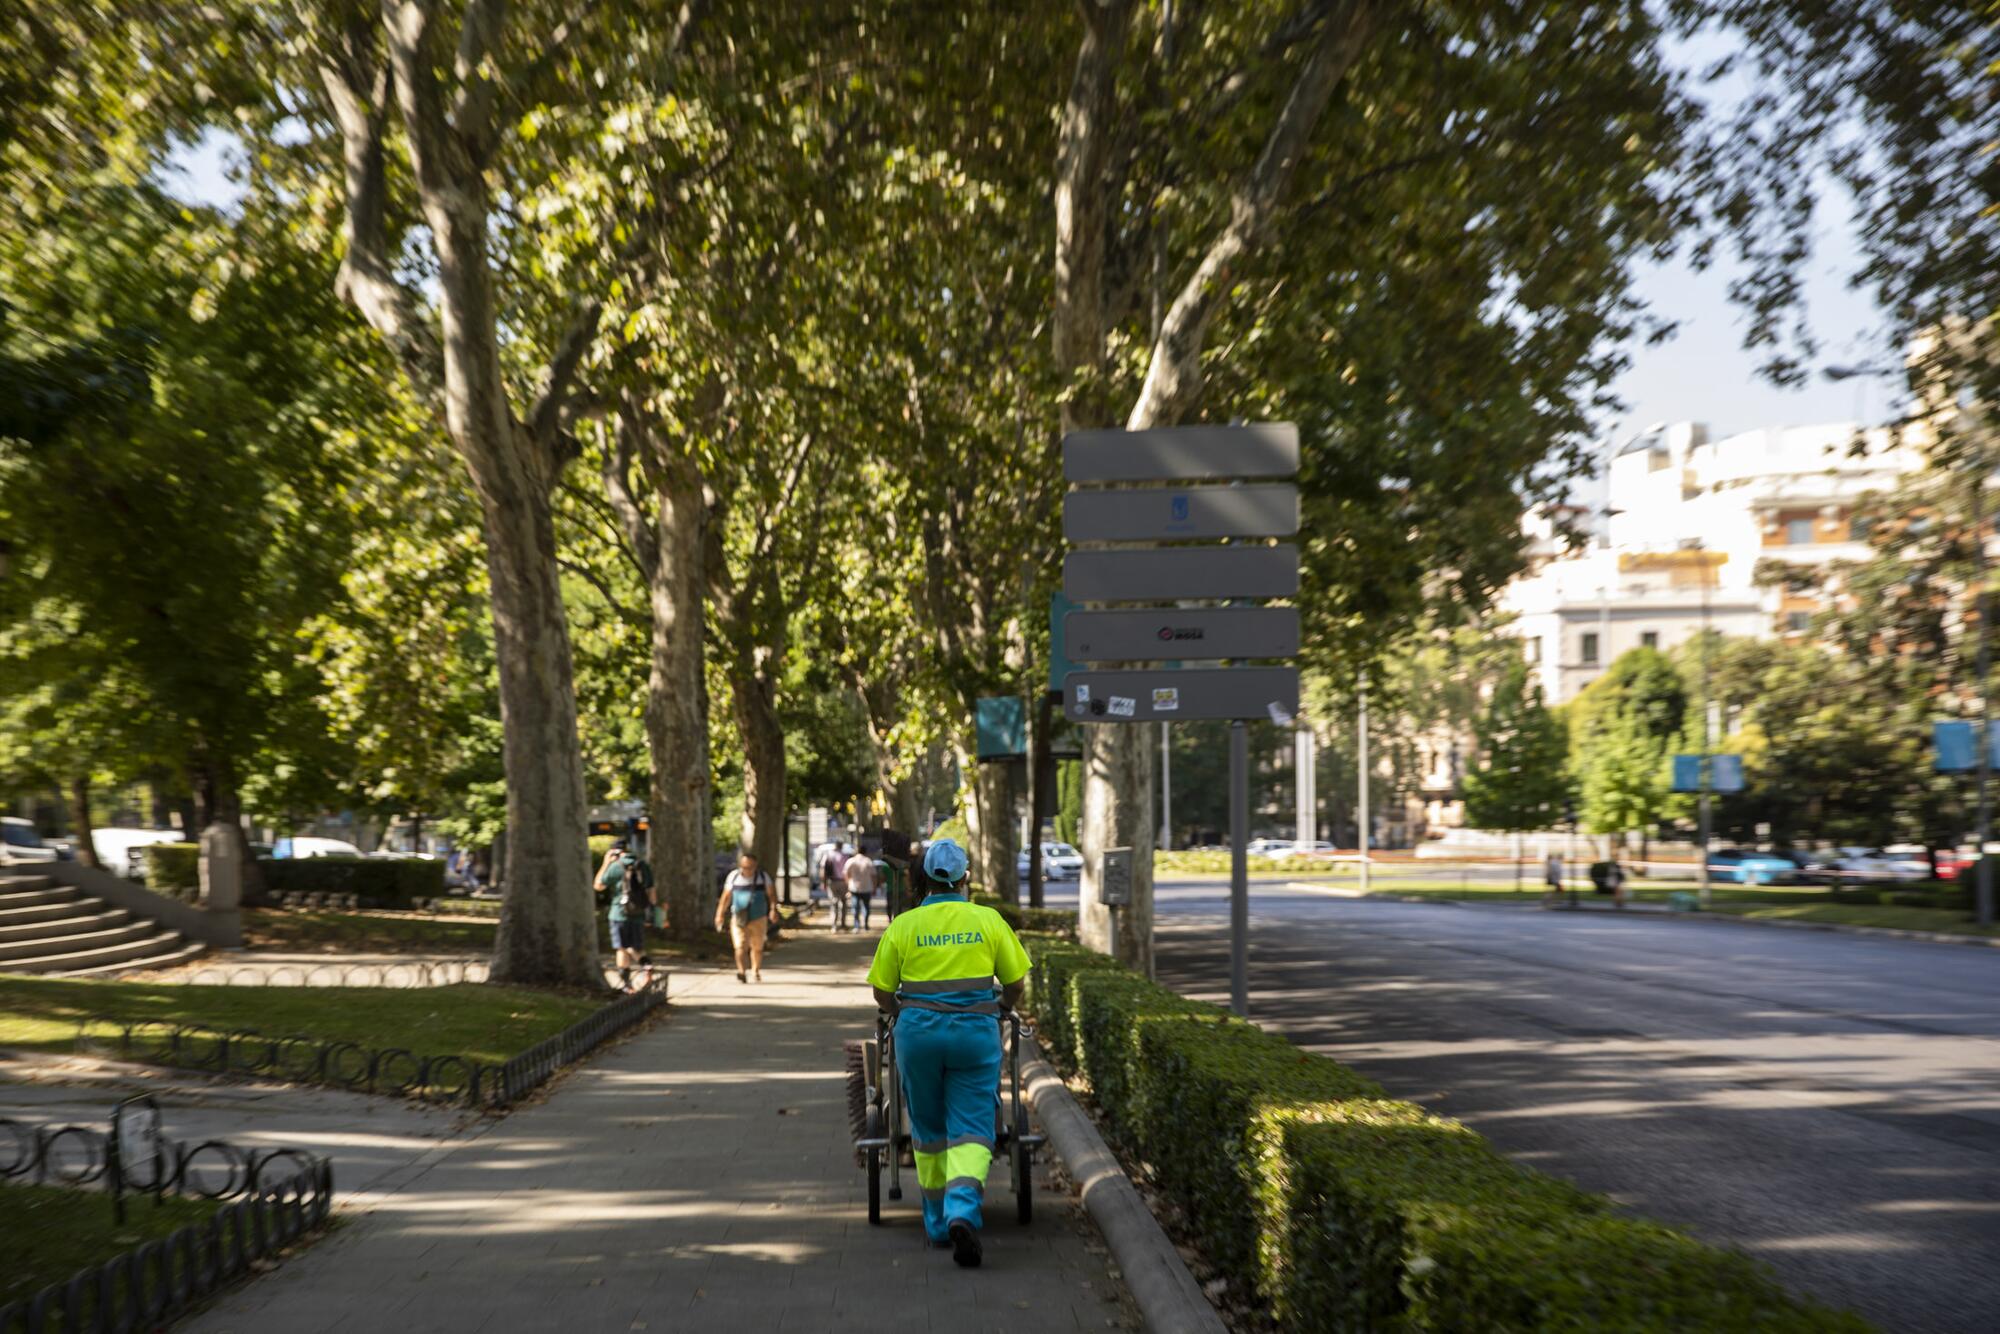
{"type": "Point", "coordinates": [934, 973]}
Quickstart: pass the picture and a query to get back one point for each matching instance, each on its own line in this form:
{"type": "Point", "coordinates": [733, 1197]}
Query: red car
{"type": "Point", "coordinates": [1949, 864]}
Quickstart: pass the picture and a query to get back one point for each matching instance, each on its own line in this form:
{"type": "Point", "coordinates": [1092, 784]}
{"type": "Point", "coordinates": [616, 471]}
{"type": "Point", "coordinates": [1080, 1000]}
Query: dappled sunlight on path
{"type": "Point", "coordinates": [697, 1176]}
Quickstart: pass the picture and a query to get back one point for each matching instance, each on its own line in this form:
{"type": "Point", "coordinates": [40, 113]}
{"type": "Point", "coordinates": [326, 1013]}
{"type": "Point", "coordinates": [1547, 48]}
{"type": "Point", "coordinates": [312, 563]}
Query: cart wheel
{"type": "Point", "coordinates": [874, 1185]}
{"type": "Point", "coordinates": [1024, 1184]}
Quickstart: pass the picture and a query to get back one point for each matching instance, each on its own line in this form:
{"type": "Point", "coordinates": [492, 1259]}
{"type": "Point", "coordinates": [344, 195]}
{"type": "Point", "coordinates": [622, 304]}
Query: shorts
{"type": "Point", "coordinates": [629, 934]}
{"type": "Point", "coordinates": [745, 929]}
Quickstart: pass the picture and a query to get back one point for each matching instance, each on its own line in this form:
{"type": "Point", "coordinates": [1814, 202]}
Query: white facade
{"type": "Point", "coordinates": [1689, 521]}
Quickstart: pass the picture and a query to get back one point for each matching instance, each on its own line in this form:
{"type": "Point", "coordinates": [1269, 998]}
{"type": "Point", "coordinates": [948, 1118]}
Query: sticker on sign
{"type": "Point", "coordinates": [1122, 707]}
{"type": "Point", "coordinates": [1279, 714]}
{"type": "Point", "coordinates": [1083, 694]}
{"type": "Point", "coordinates": [1166, 699]}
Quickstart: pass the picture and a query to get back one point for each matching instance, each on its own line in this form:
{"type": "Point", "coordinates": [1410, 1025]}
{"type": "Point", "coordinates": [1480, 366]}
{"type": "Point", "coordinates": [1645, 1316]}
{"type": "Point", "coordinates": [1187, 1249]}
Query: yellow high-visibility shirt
{"type": "Point", "coordinates": [949, 952]}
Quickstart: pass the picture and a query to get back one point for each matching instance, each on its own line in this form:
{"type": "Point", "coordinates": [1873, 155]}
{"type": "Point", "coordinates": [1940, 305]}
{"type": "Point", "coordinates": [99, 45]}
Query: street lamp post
{"type": "Point", "coordinates": [1695, 544]}
{"type": "Point", "coordinates": [1983, 873]}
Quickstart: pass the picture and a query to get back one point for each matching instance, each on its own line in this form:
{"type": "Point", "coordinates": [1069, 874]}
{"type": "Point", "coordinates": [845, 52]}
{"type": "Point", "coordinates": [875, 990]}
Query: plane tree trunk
{"type": "Point", "coordinates": [1118, 805]}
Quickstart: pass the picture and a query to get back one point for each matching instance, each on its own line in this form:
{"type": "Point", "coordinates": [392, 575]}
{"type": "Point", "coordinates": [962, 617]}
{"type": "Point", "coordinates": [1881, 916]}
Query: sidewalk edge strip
{"type": "Point", "coordinates": [1843, 928]}
{"type": "Point", "coordinates": [1169, 1299]}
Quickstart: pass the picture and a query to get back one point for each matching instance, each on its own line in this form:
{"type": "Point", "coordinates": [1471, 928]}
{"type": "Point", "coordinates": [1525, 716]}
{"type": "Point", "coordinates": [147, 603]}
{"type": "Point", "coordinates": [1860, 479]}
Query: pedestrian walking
{"type": "Point", "coordinates": [934, 973]}
{"type": "Point", "coordinates": [747, 907]}
{"type": "Point", "coordinates": [628, 880]}
{"type": "Point", "coordinates": [611, 856]}
{"type": "Point", "coordinates": [860, 877]}
{"type": "Point", "coordinates": [833, 874]}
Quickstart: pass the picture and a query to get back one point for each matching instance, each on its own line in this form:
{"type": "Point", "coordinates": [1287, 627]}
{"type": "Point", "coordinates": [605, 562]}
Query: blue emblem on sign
{"type": "Point", "coordinates": [1179, 506]}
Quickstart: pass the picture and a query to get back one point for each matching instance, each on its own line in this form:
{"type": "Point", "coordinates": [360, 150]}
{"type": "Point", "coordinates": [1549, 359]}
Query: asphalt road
{"type": "Point", "coordinates": [1827, 1103]}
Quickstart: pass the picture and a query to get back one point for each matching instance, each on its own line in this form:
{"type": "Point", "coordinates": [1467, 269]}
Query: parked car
{"type": "Point", "coordinates": [20, 845]}
{"type": "Point", "coordinates": [1740, 866]}
{"type": "Point", "coordinates": [1270, 847]}
{"type": "Point", "coordinates": [123, 851]}
{"type": "Point", "coordinates": [1874, 864]}
{"type": "Point", "coordinates": [1953, 863]}
{"type": "Point", "coordinates": [1060, 861]}
{"type": "Point", "coordinates": [303, 847]}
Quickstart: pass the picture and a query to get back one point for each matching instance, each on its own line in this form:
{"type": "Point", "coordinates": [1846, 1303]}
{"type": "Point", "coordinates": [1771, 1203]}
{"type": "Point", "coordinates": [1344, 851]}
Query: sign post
{"type": "Point", "coordinates": [1205, 544]}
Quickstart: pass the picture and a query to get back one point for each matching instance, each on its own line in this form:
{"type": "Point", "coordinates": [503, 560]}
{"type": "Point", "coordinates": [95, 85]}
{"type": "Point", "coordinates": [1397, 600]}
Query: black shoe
{"type": "Point", "coordinates": [965, 1245]}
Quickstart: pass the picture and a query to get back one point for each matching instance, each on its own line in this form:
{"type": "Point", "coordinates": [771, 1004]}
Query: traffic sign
{"type": "Point", "coordinates": [1170, 574]}
{"type": "Point", "coordinates": [1187, 695]}
{"type": "Point", "coordinates": [1205, 632]}
{"type": "Point", "coordinates": [1164, 514]}
{"type": "Point", "coordinates": [1182, 453]}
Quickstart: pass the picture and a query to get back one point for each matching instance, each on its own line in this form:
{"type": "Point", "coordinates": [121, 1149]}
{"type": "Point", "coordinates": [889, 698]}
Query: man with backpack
{"type": "Point", "coordinates": [628, 880]}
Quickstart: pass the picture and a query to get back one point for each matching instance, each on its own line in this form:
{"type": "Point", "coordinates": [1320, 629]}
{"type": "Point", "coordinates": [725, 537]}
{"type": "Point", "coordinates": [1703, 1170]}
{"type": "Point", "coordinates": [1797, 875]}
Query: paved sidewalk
{"type": "Point", "coordinates": [698, 1176]}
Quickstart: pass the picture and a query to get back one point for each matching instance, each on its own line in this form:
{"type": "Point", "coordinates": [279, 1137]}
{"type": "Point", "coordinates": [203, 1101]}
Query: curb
{"type": "Point", "coordinates": [1637, 911]}
{"type": "Point", "coordinates": [1169, 1299]}
{"type": "Point", "coordinates": [1845, 929]}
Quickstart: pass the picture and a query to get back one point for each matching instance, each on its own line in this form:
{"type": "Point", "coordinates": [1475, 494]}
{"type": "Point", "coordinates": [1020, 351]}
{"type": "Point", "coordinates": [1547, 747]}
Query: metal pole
{"type": "Point", "coordinates": [1239, 868]}
{"type": "Point", "coordinates": [1701, 872]}
{"type": "Point", "coordinates": [1366, 829]}
{"type": "Point", "coordinates": [1983, 890]}
{"type": "Point", "coordinates": [1166, 791]}
{"type": "Point", "coordinates": [1041, 768]}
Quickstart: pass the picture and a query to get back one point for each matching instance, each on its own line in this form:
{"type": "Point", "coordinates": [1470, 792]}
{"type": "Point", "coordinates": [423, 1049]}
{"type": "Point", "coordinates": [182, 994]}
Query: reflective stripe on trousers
{"type": "Point", "coordinates": [951, 1086]}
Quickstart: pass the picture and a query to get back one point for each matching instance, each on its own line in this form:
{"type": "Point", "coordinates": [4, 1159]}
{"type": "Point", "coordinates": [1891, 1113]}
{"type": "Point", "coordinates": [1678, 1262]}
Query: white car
{"type": "Point", "coordinates": [20, 845]}
{"type": "Point", "coordinates": [1859, 864]}
{"type": "Point", "coordinates": [1060, 861]}
{"type": "Point", "coordinates": [123, 851]}
{"type": "Point", "coordinates": [302, 847]}
{"type": "Point", "coordinates": [1271, 847]}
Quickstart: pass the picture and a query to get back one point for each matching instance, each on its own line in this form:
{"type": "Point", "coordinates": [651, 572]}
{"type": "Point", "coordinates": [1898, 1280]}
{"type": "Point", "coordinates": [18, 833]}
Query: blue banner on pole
{"type": "Point", "coordinates": [1002, 726]}
{"type": "Point", "coordinates": [1725, 773]}
{"type": "Point", "coordinates": [1955, 747]}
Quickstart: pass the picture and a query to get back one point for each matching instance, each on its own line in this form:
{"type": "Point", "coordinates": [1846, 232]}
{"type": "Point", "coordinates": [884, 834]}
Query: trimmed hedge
{"type": "Point", "coordinates": [1348, 1210]}
{"type": "Point", "coordinates": [173, 868]}
{"type": "Point", "coordinates": [1055, 921]}
{"type": "Point", "coordinates": [380, 881]}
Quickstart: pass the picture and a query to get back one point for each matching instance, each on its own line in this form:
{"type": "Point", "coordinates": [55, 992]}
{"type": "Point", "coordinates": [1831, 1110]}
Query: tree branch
{"type": "Point", "coordinates": [1081, 201]}
{"type": "Point", "coordinates": [478, 84]}
{"type": "Point", "coordinates": [645, 543]}
{"type": "Point", "coordinates": [623, 611]}
{"type": "Point", "coordinates": [1173, 376]}
{"type": "Point", "coordinates": [357, 86]}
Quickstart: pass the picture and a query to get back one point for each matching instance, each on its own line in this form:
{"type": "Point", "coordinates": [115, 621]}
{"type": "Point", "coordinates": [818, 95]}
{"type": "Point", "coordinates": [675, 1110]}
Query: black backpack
{"type": "Point", "coordinates": [636, 890]}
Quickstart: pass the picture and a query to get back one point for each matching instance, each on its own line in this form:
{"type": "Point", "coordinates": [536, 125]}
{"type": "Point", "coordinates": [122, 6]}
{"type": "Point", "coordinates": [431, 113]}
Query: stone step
{"type": "Point", "coordinates": [49, 912]}
{"type": "Point", "coordinates": [32, 898]}
{"type": "Point", "coordinates": [143, 952]}
{"type": "Point", "coordinates": [10, 881]}
{"type": "Point", "coordinates": [70, 940]}
{"type": "Point", "coordinates": [62, 918]}
{"type": "Point", "coordinates": [187, 953]}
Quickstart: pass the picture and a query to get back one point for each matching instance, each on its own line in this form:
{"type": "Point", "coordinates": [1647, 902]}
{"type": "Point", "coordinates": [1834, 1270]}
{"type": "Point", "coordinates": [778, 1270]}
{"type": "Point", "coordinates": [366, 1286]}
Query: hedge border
{"type": "Point", "coordinates": [1345, 1209]}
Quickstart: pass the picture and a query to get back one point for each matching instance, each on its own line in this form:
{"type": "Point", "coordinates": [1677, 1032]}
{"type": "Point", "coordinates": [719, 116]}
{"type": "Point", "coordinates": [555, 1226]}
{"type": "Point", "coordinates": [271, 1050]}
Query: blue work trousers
{"type": "Point", "coordinates": [950, 1065]}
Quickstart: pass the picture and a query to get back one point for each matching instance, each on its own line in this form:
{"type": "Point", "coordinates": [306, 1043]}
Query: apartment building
{"type": "Point", "coordinates": [1687, 525]}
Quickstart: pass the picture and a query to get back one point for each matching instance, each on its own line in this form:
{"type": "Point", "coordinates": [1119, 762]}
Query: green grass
{"type": "Point", "coordinates": [315, 930]}
{"type": "Point", "coordinates": [53, 1231]}
{"type": "Point", "coordinates": [1945, 920]}
{"type": "Point", "coordinates": [479, 1022]}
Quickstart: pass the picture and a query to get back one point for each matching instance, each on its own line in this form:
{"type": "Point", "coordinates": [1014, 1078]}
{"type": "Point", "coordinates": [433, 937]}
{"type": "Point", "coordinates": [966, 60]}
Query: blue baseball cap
{"type": "Point", "coordinates": [944, 860]}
